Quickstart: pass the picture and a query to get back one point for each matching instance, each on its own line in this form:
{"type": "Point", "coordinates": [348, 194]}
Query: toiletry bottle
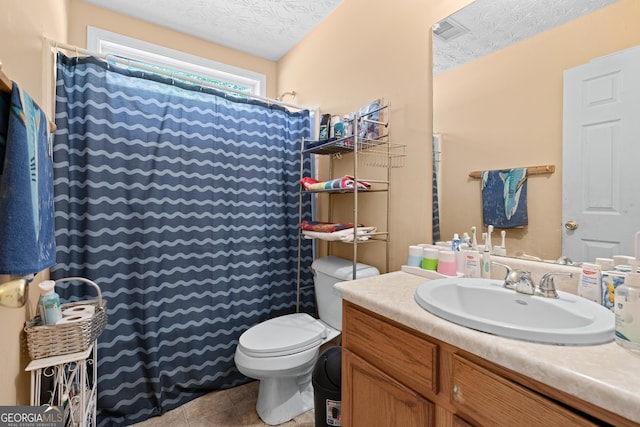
{"type": "Point", "coordinates": [455, 243]}
{"type": "Point", "coordinates": [325, 125]}
{"type": "Point", "coordinates": [627, 310]}
{"type": "Point", "coordinates": [348, 125]}
{"type": "Point", "coordinates": [447, 263]}
{"type": "Point", "coordinates": [430, 259]}
{"type": "Point", "coordinates": [415, 256]}
{"type": "Point", "coordinates": [332, 128]}
{"type": "Point", "coordinates": [49, 303]}
{"type": "Point", "coordinates": [609, 282]}
{"type": "Point", "coordinates": [590, 283]}
{"type": "Point", "coordinates": [456, 247]}
{"type": "Point", "coordinates": [471, 263]}
{"type": "Point", "coordinates": [338, 128]}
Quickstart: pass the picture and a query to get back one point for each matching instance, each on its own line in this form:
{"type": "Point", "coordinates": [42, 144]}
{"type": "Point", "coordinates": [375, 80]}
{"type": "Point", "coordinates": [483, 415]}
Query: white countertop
{"type": "Point", "coordinates": [606, 375]}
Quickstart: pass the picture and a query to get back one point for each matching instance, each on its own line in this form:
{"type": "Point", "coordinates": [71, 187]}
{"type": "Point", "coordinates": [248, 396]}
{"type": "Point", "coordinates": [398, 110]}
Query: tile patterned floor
{"type": "Point", "coordinates": [235, 407]}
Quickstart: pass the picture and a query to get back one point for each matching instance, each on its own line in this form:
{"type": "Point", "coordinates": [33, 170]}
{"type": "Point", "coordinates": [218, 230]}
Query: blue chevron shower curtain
{"type": "Point", "coordinates": [183, 206]}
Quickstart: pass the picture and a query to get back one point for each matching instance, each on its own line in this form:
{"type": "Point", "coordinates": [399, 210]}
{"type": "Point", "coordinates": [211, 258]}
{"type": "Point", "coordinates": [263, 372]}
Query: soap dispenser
{"type": "Point", "coordinates": [49, 303]}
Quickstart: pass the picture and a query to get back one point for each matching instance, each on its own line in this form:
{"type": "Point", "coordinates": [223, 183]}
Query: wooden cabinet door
{"type": "Point", "coordinates": [492, 401]}
{"type": "Point", "coordinates": [405, 356]}
{"type": "Point", "coordinates": [371, 398]}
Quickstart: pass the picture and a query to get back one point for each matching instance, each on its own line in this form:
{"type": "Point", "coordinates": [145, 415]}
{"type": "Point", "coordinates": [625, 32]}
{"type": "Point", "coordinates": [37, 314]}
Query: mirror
{"type": "Point", "coordinates": [501, 105]}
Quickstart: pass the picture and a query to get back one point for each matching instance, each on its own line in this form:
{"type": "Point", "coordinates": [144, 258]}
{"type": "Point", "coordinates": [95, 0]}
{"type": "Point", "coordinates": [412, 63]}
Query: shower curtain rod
{"type": "Point", "coordinates": [128, 62]}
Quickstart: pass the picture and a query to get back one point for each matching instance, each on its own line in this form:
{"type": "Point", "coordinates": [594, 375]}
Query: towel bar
{"type": "Point", "coordinates": [531, 170]}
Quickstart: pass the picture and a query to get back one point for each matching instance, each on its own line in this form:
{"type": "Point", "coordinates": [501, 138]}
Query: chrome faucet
{"type": "Point", "coordinates": [547, 286]}
{"type": "Point", "coordinates": [518, 280]}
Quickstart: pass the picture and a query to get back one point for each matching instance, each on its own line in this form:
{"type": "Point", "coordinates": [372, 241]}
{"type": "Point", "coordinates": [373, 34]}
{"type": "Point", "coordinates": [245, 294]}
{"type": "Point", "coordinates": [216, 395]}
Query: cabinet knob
{"type": "Point", "coordinates": [455, 389]}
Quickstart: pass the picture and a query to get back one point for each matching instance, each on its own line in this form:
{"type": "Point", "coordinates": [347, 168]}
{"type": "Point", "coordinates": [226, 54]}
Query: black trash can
{"type": "Point", "coordinates": [326, 380]}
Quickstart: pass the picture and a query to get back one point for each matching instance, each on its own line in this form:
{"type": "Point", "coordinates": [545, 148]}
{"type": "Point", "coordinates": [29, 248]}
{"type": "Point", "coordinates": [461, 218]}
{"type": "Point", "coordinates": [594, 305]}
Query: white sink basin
{"type": "Point", "coordinates": [484, 305]}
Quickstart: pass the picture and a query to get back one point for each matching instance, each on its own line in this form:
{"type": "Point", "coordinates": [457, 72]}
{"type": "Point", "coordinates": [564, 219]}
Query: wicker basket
{"type": "Point", "coordinates": [55, 340]}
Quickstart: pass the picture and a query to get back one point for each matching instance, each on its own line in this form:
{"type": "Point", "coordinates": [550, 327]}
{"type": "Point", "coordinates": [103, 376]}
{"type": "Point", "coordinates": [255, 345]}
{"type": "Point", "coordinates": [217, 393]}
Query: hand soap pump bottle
{"type": "Point", "coordinates": [626, 309]}
{"type": "Point", "coordinates": [49, 303]}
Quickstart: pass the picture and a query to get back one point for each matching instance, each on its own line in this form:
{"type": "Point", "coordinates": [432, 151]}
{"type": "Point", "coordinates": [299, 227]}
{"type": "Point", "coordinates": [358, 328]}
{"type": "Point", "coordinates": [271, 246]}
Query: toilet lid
{"type": "Point", "coordinates": [283, 335]}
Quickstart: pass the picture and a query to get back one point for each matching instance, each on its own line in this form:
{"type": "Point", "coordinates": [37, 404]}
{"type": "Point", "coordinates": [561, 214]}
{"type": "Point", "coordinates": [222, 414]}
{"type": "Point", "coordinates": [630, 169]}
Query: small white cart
{"type": "Point", "coordinates": [74, 385]}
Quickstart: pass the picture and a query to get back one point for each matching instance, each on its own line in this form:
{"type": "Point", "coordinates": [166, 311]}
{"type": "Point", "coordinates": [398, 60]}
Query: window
{"type": "Point", "coordinates": [106, 42]}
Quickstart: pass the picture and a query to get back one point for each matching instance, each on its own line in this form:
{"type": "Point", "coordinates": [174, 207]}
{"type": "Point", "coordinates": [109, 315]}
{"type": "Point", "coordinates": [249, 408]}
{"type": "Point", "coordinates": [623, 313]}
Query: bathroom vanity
{"type": "Point", "coordinates": [404, 366]}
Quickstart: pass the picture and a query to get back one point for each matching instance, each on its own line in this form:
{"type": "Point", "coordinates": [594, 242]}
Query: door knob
{"type": "Point", "coordinates": [571, 225]}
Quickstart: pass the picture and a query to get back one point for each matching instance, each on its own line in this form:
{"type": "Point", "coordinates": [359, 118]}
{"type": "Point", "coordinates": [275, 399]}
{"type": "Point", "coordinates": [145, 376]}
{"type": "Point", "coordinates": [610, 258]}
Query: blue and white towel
{"type": "Point", "coordinates": [504, 198]}
{"type": "Point", "coordinates": [27, 240]}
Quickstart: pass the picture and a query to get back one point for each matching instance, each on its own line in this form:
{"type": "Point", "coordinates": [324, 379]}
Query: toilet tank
{"type": "Point", "coordinates": [328, 271]}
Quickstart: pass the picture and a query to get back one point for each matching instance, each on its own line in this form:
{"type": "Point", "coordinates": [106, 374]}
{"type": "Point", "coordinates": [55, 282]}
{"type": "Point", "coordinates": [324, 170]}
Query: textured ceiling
{"type": "Point", "coordinates": [495, 24]}
{"type": "Point", "coordinates": [265, 28]}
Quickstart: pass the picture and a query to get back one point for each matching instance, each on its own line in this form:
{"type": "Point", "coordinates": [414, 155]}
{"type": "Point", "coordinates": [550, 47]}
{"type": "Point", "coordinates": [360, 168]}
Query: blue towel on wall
{"type": "Point", "coordinates": [504, 198]}
{"type": "Point", "coordinates": [27, 241]}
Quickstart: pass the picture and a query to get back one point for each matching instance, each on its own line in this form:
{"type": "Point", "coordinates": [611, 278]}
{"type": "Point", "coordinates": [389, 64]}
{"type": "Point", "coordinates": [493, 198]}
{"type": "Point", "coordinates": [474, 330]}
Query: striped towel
{"type": "Point", "coordinates": [346, 182]}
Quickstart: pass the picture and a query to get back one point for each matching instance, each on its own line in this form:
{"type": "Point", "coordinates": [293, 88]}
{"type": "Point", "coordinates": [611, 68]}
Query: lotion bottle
{"type": "Point", "coordinates": [49, 303]}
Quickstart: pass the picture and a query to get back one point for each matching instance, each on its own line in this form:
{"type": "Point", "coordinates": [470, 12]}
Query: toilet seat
{"type": "Point", "coordinates": [283, 335]}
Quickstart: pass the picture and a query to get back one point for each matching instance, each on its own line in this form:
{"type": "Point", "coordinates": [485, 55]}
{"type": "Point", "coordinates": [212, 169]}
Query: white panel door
{"type": "Point", "coordinates": [601, 157]}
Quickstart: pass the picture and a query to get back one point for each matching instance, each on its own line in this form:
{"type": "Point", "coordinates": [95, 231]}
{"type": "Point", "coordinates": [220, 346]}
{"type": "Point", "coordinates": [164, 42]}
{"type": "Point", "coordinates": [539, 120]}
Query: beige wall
{"type": "Point", "coordinates": [26, 60]}
{"type": "Point", "coordinates": [364, 50]}
{"type": "Point", "coordinates": [22, 24]}
{"type": "Point", "coordinates": [367, 49]}
{"type": "Point", "coordinates": [83, 14]}
{"type": "Point", "coordinates": [505, 110]}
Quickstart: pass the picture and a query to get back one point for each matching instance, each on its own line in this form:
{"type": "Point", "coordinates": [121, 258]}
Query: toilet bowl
{"type": "Point", "coordinates": [281, 352]}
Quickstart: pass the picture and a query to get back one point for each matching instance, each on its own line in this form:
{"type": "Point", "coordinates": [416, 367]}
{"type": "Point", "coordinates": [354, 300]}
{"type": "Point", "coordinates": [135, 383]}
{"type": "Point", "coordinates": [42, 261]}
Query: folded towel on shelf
{"type": "Point", "coordinates": [504, 198]}
{"type": "Point", "coordinates": [346, 235]}
{"type": "Point", "coordinates": [346, 182]}
{"type": "Point", "coordinates": [27, 240]}
{"type": "Point", "coordinates": [324, 227]}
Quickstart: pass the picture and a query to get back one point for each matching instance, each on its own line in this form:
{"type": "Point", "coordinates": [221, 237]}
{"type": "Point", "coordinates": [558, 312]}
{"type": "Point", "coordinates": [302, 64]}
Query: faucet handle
{"type": "Point", "coordinates": [547, 286]}
{"type": "Point", "coordinates": [518, 280]}
{"type": "Point", "coordinates": [509, 282]}
{"type": "Point", "coordinates": [525, 284]}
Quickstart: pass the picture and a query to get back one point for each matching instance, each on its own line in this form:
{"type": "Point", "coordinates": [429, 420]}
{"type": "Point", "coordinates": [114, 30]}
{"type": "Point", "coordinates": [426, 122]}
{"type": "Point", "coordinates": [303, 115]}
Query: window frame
{"type": "Point", "coordinates": [109, 43]}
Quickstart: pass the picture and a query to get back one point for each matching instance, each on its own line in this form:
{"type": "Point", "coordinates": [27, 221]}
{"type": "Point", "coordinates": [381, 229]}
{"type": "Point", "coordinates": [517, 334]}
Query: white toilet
{"type": "Point", "coordinates": [282, 351]}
